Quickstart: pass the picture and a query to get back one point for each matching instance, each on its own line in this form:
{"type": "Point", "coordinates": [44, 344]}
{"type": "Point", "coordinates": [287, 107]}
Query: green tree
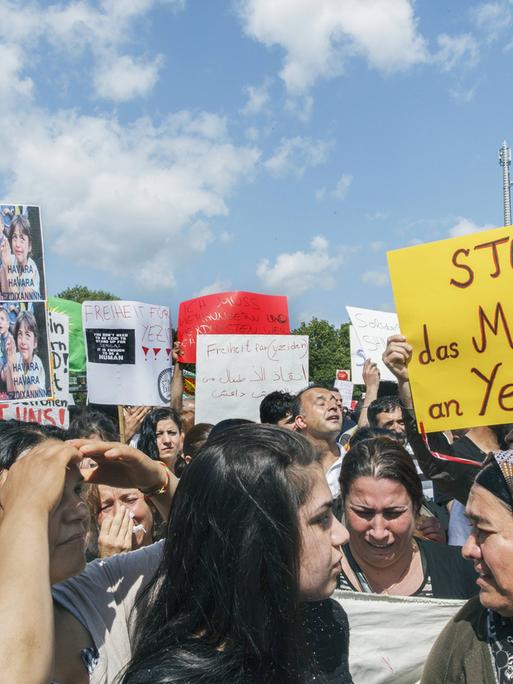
{"type": "Point", "coordinates": [329, 349]}
{"type": "Point", "coordinates": [81, 293]}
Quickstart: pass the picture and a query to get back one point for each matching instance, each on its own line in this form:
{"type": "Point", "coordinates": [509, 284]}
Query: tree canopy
{"type": "Point", "coordinates": [81, 293]}
{"type": "Point", "coordinates": [329, 349]}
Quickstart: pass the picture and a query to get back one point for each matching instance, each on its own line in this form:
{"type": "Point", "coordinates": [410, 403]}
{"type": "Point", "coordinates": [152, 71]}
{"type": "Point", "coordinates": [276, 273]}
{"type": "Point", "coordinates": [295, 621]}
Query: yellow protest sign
{"type": "Point", "coordinates": [454, 300]}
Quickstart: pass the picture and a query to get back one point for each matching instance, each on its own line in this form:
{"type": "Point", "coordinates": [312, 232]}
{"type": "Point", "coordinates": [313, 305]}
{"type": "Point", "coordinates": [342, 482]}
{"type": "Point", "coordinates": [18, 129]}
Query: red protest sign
{"type": "Point", "coordinates": [342, 375]}
{"type": "Point", "coordinates": [230, 313]}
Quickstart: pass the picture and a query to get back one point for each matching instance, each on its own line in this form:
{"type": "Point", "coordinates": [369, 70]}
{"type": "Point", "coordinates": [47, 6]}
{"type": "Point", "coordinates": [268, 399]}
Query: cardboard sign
{"type": "Point", "coordinates": [373, 328]}
{"type": "Point", "coordinates": [235, 372]}
{"type": "Point", "coordinates": [230, 313]}
{"type": "Point", "coordinates": [345, 387]}
{"type": "Point", "coordinates": [22, 277]}
{"type": "Point", "coordinates": [51, 411]}
{"type": "Point", "coordinates": [128, 353]}
{"type": "Point", "coordinates": [455, 306]}
{"type": "Point", "coordinates": [357, 357]}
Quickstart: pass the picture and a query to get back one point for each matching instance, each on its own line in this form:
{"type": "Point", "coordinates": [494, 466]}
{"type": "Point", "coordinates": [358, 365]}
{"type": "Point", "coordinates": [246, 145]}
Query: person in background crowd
{"type": "Point", "coordinates": [193, 441]}
{"type": "Point", "coordinates": [161, 436]}
{"type": "Point", "coordinates": [382, 497]}
{"type": "Point", "coordinates": [318, 417]}
{"type": "Point", "coordinates": [387, 413]}
{"type": "Point", "coordinates": [25, 374]}
{"type": "Point", "coordinates": [122, 520]}
{"type": "Point", "coordinates": [276, 409]}
{"type": "Point", "coordinates": [371, 378]}
{"type": "Point", "coordinates": [224, 548]}
{"type": "Point", "coordinates": [477, 645]}
{"type": "Point", "coordinates": [188, 413]}
{"type": "Point", "coordinates": [19, 276]}
{"type": "Point", "coordinates": [88, 423]}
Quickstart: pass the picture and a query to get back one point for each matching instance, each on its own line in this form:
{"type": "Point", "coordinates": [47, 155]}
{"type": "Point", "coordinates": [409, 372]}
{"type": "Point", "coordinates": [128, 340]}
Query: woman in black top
{"type": "Point", "coordinates": [252, 552]}
{"type": "Point", "coordinates": [382, 495]}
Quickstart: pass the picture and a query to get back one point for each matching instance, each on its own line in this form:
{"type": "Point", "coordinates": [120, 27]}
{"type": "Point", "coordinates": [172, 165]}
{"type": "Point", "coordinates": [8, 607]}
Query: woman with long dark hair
{"type": "Point", "coordinates": [251, 538]}
{"type": "Point", "coordinates": [161, 436]}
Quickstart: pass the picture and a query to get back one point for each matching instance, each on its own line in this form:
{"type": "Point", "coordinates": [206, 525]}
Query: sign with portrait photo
{"type": "Point", "coordinates": [22, 276]}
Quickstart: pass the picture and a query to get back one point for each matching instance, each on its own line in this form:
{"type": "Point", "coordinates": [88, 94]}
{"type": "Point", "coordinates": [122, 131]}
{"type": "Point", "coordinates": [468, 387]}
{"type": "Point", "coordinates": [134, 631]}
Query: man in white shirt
{"type": "Point", "coordinates": [318, 416]}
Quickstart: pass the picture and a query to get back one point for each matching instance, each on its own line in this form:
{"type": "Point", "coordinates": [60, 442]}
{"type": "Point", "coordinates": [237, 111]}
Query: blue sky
{"type": "Point", "coordinates": [180, 147]}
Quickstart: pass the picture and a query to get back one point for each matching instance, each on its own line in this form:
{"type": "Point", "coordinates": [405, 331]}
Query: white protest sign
{"type": "Point", "coordinates": [373, 328]}
{"type": "Point", "coordinates": [49, 411]}
{"type": "Point", "coordinates": [235, 372]}
{"type": "Point", "coordinates": [128, 346]}
{"type": "Point", "coordinates": [357, 357]}
{"type": "Point", "coordinates": [345, 387]}
{"type": "Point", "coordinates": [403, 629]}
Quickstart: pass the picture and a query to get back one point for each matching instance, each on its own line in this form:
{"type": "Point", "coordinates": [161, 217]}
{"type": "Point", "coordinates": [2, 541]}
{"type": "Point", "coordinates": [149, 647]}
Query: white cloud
{"type": "Point", "coordinates": [124, 78]}
{"type": "Point", "coordinates": [258, 98]}
{"type": "Point", "coordinates": [319, 36]}
{"type": "Point", "coordinates": [493, 18]}
{"type": "Point", "coordinates": [463, 95]}
{"type": "Point", "coordinates": [455, 51]}
{"type": "Point", "coordinates": [296, 273]}
{"type": "Point", "coordinates": [104, 31]}
{"type": "Point", "coordinates": [377, 277]}
{"type": "Point", "coordinates": [342, 187]}
{"type": "Point", "coordinates": [320, 194]}
{"type": "Point", "coordinates": [465, 226]}
{"type": "Point", "coordinates": [123, 198]}
{"type": "Point", "coordinates": [295, 155]}
{"type": "Point", "coordinates": [217, 286]}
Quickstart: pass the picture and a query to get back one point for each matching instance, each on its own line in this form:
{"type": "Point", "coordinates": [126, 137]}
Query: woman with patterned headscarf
{"type": "Point", "coordinates": [477, 644]}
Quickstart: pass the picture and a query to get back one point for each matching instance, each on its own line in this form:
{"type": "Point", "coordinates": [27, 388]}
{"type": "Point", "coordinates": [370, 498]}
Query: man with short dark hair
{"type": "Point", "coordinates": [276, 409]}
{"type": "Point", "coordinates": [318, 416]}
{"type": "Point", "coordinates": [387, 413]}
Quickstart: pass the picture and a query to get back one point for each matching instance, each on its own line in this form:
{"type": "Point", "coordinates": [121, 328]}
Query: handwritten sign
{"type": "Point", "coordinates": [50, 411]}
{"type": "Point", "coordinates": [235, 372]}
{"type": "Point", "coordinates": [454, 302]}
{"type": "Point", "coordinates": [357, 357]}
{"type": "Point", "coordinates": [230, 313]}
{"type": "Point", "coordinates": [128, 352]}
{"type": "Point", "coordinates": [373, 328]}
{"type": "Point", "coordinates": [345, 387]}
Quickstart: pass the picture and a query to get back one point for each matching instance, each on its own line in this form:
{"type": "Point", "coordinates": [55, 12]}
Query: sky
{"type": "Point", "coordinates": [183, 147]}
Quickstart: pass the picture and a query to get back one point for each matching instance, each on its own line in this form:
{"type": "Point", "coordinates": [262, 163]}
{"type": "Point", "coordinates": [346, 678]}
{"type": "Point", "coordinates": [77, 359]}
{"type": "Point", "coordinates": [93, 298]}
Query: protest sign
{"type": "Point", "coordinates": [128, 348]}
{"type": "Point", "coordinates": [235, 372]}
{"type": "Point", "coordinates": [345, 387]}
{"type": "Point", "coordinates": [230, 313]}
{"type": "Point", "coordinates": [24, 352]}
{"type": "Point", "coordinates": [403, 630]}
{"type": "Point", "coordinates": [343, 374]}
{"type": "Point", "coordinates": [51, 411]}
{"type": "Point", "coordinates": [22, 276]}
{"type": "Point", "coordinates": [357, 357]}
{"type": "Point", "coordinates": [454, 302]}
{"type": "Point", "coordinates": [373, 328]}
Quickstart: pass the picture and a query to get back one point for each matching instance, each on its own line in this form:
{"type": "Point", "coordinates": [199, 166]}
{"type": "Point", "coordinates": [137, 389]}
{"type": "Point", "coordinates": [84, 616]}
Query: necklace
{"type": "Point", "coordinates": [365, 585]}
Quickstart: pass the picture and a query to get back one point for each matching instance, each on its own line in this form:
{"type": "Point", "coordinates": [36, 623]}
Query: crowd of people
{"type": "Point", "coordinates": [163, 551]}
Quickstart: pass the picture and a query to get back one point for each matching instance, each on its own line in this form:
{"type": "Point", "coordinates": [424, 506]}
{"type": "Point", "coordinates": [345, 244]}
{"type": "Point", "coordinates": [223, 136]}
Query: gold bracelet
{"type": "Point", "coordinates": [157, 491]}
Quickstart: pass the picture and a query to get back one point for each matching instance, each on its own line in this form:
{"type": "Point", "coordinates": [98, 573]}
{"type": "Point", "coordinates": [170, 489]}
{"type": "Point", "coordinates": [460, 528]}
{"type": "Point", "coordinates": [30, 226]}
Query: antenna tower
{"type": "Point", "coordinates": [505, 162]}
